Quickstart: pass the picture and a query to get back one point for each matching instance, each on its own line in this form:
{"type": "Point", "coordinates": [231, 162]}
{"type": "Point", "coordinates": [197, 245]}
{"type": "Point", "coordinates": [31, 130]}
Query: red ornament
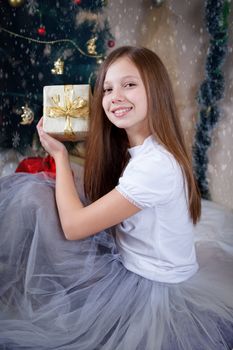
{"type": "Point", "coordinates": [41, 30]}
{"type": "Point", "coordinates": [111, 43]}
{"type": "Point", "coordinates": [77, 2]}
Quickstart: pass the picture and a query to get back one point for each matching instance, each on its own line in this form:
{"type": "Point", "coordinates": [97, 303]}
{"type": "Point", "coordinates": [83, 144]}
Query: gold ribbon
{"type": "Point", "coordinates": [73, 108]}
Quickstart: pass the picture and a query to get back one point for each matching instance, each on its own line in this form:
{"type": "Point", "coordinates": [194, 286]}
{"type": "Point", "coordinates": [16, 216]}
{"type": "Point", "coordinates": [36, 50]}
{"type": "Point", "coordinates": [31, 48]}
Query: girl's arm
{"type": "Point", "coordinates": [77, 221]}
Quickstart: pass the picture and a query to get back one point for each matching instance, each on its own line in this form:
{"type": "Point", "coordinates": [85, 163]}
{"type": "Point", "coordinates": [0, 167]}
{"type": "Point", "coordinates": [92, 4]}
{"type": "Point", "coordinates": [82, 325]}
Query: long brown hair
{"type": "Point", "coordinates": [107, 145]}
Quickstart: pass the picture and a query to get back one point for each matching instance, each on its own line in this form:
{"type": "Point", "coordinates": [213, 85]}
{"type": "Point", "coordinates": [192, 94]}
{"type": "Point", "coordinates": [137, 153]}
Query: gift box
{"type": "Point", "coordinates": [66, 111]}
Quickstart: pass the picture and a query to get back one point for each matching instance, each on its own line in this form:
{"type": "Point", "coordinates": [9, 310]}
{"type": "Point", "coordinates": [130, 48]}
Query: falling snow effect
{"type": "Point", "coordinates": [26, 65]}
{"type": "Point", "coordinates": [176, 30]}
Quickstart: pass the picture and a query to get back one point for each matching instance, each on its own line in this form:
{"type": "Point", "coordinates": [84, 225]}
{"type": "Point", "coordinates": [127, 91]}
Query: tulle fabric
{"type": "Point", "coordinates": [59, 294]}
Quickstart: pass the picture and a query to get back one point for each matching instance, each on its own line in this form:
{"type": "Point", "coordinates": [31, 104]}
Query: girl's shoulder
{"type": "Point", "coordinates": [151, 176]}
{"type": "Point", "coordinates": [152, 156]}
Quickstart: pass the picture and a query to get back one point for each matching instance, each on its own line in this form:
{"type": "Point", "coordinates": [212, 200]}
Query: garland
{"type": "Point", "coordinates": [51, 42]}
{"type": "Point", "coordinates": [212, 88]}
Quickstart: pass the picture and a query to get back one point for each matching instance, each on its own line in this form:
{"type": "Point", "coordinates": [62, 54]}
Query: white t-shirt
{"type": "Point", "coordinates": [157, 242]}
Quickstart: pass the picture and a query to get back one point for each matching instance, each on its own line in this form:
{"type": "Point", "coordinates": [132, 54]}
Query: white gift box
{"type": "Point", "coordinates": [66, 111]}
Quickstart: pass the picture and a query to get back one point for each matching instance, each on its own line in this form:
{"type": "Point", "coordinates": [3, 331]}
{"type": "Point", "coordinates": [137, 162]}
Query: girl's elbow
{"type": "Point", "coordinates": [70, 233]}
{"type": "Point", "coordinates": [69, 237]}
{"type": "Point", "coordinates": [73, 233]}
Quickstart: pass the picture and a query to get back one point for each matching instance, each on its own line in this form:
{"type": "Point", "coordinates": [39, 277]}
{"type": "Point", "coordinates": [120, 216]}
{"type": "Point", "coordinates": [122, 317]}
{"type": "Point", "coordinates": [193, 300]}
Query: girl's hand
{"type": "Point", "coordinates": [54, 147]}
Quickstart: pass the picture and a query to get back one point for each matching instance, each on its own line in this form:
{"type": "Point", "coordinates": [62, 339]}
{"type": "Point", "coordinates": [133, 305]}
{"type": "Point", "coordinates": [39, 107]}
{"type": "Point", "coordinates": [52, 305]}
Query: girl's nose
{"type": "Point", "coordinates": [117, 97]}
{"type": "Point", "coordinates": [117, 100]}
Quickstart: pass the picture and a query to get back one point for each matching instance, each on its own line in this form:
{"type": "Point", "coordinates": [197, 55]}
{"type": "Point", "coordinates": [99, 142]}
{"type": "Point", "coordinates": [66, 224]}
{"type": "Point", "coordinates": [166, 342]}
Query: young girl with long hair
{"type": "Point", "coordinates": [115, 268]}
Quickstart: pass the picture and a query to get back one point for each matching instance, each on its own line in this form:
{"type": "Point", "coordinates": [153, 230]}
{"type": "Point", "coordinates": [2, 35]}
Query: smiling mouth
{"type": "Point", "coordinates": [121, 111]}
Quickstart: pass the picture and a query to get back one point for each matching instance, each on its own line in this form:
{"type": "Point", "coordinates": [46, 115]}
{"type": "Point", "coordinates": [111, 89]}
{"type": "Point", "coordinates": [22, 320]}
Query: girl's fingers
{"type": "Point", "coordinates": [41, 121]}
{"type": "Point", "coordinates": [40, 124]}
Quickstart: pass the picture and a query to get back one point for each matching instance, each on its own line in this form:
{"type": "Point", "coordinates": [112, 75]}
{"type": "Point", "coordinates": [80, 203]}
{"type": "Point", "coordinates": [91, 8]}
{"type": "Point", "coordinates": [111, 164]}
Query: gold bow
{"type": "Point", "coordinates": [73, 108]}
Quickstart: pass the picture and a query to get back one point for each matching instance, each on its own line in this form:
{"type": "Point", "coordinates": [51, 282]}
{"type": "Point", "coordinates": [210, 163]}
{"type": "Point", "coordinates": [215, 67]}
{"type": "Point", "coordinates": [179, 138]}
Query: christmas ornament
{"type": "Point", "coordinates": [41, 30]}
{"type": "Point", "coordinates": [58, 67]}
{"type": "Point", "coordinates": [16, 3]}
{"type": "Point", "coordinates": [77, 2]}
{"type": "Point", "coordinates": [91, 46]}
{"type": "Point", "coordinates": [27, 116]}
{"type": "Point", "coordinates": [111, 43]}
{"type": "Point", "coordinates": [32, 6]}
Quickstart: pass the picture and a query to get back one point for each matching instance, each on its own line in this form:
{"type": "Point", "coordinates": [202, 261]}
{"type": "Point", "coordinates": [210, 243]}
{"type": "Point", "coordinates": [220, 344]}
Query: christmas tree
{"type": "Point", "coordinates": [45, 43]}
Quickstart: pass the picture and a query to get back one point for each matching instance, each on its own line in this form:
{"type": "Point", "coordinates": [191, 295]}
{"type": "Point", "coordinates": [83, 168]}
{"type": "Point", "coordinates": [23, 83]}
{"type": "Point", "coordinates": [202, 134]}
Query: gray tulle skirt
{"type": "Point", "coordinates": [59, 294]}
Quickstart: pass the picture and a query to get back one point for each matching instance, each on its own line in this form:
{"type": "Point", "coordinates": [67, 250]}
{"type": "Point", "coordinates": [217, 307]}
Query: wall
{"type": "Point", "coordinates": [176, 31]}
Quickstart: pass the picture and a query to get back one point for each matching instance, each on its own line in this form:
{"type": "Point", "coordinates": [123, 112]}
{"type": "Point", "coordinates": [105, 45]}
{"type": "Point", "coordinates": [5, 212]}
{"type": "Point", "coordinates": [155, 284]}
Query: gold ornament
{"type": "Point", "coordinates": [27, 116]}
{"type": "Point", "coordinates": [91, 46]}
{"type": "Point", "coordinates": [15, 3]}
{"type": "Point", "coordinates": [58, 67]}
{"type": "Point", "coordinates": [74, 108]}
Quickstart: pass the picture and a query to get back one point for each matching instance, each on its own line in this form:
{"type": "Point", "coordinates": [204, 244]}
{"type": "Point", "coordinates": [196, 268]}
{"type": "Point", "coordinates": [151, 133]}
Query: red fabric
{"type": "Point", "coordinates": [37, 164]}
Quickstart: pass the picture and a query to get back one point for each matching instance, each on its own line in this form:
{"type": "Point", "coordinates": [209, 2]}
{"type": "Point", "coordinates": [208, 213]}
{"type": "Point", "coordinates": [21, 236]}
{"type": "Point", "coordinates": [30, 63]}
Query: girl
{"type": "Point", "coordinates": [67, 282]}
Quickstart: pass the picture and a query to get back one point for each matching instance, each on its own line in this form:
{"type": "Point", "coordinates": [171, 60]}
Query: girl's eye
{"type": "Point", "coordinates": [130, 84]}
{"type": "Point", "coordinates": [107, 90]}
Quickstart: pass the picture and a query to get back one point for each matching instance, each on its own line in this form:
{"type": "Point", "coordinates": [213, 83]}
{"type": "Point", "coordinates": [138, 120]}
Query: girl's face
{"type": "Point", "coordinates": [124, 98]}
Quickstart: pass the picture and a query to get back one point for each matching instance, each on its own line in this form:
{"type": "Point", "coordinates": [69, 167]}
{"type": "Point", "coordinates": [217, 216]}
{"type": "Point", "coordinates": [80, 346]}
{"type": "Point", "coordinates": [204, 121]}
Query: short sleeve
{"type": "Point", "coordinates": [148, 181]}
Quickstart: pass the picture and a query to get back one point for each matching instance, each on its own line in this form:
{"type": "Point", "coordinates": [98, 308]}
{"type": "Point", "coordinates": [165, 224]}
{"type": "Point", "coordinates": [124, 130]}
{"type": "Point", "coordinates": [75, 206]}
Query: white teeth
{"type": "Point", "coordinates": [121, 111]}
